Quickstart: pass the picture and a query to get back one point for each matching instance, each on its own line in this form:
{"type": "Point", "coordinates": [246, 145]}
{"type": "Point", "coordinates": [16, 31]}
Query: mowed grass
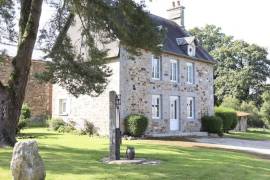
{"type": "Point", "coordinates": [73, 157]}
{"type": "Point", "coordinates": [251, 134]}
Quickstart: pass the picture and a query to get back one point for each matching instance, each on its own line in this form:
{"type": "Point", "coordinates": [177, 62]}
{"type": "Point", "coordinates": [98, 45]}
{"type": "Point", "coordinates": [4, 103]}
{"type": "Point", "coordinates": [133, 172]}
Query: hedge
{"type": "Point", "coordinates": [212, 124]}
{"type": "Point", "coordinates": [228, 116]}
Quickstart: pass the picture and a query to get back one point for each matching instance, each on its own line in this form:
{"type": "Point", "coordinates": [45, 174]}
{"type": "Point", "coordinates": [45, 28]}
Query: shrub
{"type": "Point", "coordinates": [67, 128]}
{"type": "Point", "coordinates": [24, 118]}
{"type": "Point", "coordinates": [56, 123]}
{"type": "Point", "coordinates": [135, 125]}
{"type": "Point", "coordinates": [212, 124]}
{"type": "Point", "coordinates": [21, 125]}
{"type": "Point", "coordinates": [89, 128]}
{"type": "Point", "coordinates": [25, 112]}
{"type": "Point", "coordinates": [228, 116]}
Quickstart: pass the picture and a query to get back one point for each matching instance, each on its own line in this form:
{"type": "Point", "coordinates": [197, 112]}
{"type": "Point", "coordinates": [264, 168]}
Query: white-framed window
{"type": "Point", "coordinates": [156, 106]}
{"type": "Point", "coordinates": [156, 67]}
{"type": "Point", "coordinates": [174, 71]}
{"type": "Point", "coordinates": [62, 106]}
{"type": "Point", "coordinates": [190, 73]}
{"type": "Point", "coordinates": [190, 107]}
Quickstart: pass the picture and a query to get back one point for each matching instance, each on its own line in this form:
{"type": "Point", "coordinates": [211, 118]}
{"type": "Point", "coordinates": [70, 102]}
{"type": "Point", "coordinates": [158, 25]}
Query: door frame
{"type": "Point", "coordinates": [172, 100]}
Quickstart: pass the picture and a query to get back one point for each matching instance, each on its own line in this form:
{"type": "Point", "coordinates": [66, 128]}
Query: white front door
{"type": "Point", "coordinates": [174, 113]}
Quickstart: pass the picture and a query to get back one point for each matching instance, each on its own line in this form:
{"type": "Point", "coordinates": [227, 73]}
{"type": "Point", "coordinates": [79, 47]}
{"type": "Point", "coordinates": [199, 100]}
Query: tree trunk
{"type": "Point", "coordinates": [12, 96]}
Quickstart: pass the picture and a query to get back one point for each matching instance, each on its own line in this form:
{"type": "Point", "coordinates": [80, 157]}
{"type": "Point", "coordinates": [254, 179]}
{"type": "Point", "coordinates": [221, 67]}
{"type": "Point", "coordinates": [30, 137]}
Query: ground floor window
{"type": "Point", "coordinates": [156, 106]}
{"type": "Point", "coordinates": [190, 107]}
{"type": "Point", "coordinates": [62, 106]}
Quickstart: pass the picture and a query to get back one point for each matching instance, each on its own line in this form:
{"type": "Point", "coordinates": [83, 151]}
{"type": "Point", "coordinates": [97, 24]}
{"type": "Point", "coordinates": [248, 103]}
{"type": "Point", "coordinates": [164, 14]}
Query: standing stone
{"type": "Point", "coordinates": [112, 125]}
{"type": "Point", "coordinates": [26, 163]}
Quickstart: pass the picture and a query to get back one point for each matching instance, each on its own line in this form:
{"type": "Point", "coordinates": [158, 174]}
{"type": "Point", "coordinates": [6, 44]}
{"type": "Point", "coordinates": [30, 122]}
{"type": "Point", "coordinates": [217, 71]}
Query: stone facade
{"type": "Point", "coordinates": [137, 88]}
{"type": "Point", "coordinates": [38, 95]}
{"type": "Point", "coordinates": [132, 79]}
{"type": "Point", "coordinates": [86, 108]}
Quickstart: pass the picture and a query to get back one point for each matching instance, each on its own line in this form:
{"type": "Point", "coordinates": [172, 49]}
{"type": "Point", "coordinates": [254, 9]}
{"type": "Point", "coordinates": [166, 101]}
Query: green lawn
{"type": "Point", "coordinates": [73, 157]}
{"type": "Point", "coordinates": [251, 134]}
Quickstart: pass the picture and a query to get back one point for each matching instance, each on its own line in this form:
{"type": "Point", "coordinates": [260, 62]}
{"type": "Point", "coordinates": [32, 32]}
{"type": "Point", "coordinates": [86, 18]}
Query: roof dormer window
{"type": "Point", "coordinates": [189, 44]}
{"type": "Point", "coordinates": [191, 50]}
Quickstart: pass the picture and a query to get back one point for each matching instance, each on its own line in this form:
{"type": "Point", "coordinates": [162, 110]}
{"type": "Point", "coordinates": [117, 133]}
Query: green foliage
{"type": "Point", "coordinates": [242, 68]}
{"type": "Point", "coordinates": [265, 109]}
{"type": "Point", "coordinates": [24, 118]}
{"type": "Point", "coordinates": [212, 124]}
{"type": "Point", "coordinates": [21, 125]}
{"type": "Point", "coordinates": [211, 37]}
{"type": "Point", "coordinates": [254, 119]}
{"type": "Point", "coordinates": [89, 129]}
{"type": "Point", "coordinates": [230, 102]}
{"type": "Point", "coordinates": [135, 125]}
{"type": "Point", "coordinates": [25, 112]}
{"type": "Point", "coordinates": [101, 22]}
{"type": "Point", "coordinates": [61, 126]}
{"type": "Point", "coordinates": [56, 123]}
{"type": "Point", "coordinates": [228, 117]}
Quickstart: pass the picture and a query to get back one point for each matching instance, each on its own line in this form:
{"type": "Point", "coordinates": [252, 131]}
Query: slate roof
{"type": "Point", "coordinates": [174, 31]}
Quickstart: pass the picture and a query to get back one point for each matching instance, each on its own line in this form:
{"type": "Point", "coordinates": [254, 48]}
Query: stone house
{"type": "Point", "coordinates": [173, 90]}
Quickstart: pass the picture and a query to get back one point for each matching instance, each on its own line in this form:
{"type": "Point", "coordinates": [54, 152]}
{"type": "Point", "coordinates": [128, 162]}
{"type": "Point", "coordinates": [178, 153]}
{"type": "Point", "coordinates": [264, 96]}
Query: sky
{"type": "Point", "coordinates": [244, 19]}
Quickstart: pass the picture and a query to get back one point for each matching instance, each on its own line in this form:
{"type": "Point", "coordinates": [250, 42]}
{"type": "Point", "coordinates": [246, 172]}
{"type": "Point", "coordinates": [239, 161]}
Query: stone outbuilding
{"type": "Point", "coordinates": [242, 121]}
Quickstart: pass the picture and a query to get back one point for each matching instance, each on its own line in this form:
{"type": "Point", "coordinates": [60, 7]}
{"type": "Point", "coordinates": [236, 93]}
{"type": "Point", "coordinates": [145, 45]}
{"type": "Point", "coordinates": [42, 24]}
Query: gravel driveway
{"type": "Point", "coordinates": [260, 147]}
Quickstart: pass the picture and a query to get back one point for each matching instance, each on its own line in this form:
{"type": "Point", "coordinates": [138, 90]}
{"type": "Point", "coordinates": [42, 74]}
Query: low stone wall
{"type": "Point", "coordinates": [38, 95]}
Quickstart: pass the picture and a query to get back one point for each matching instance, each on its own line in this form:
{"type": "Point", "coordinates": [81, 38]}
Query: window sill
{"type": "Point", "coordinates": [62, 114]}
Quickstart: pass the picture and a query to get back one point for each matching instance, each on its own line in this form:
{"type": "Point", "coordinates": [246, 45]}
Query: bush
{"type": "Point", "coordinates": [89, 129]}
{"type": "Point", "coordinates": [228, 116]}
{"type": "Point", "coordinates": [56, 123]}
{"type": "Point", "coordinates": [25, 112]}
{"type": "Point", "coordinates": [254, 119]}
{"type": "Point", "coordinates": [212, 124]}
{"type": "Point", "coordinates": [67, 128]}
{"type": "Point", "coordinates": [24, 118]}
{"type": "Point", "coordinates": [135, 125]}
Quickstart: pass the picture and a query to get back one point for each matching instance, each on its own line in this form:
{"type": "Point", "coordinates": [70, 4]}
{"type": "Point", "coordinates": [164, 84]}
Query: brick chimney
{"type": "Point", "coordinates": [177, 12]}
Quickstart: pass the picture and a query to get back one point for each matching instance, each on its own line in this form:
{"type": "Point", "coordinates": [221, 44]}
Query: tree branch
{"type": "Point", "coordinates": [24, 16]}
{"type": "Point", "coordinates": [61, 35]}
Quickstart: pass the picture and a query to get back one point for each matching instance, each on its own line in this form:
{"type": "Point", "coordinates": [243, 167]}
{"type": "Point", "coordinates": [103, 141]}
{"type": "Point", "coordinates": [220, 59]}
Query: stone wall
{"type": "Point", "coordinates": [137, 88]}
{"type": "Point", "coordinates": [87, 108]}
{"type": "Point", "coordinates": [38, 95]}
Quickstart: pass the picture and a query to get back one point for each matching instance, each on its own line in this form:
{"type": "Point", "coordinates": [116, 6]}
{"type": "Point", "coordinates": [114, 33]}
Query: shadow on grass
{"type": "Point", "coordinates": [36, 135]}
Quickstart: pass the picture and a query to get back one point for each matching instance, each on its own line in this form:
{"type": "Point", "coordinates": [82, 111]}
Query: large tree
{"type": "Point", "coordinates": [242, 68]}
{"type": "Point", "coordinates": [81, 69]}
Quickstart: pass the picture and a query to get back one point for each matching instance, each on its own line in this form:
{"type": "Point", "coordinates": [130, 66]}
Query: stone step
{"type": "Point", "coordinates": [179, 134]}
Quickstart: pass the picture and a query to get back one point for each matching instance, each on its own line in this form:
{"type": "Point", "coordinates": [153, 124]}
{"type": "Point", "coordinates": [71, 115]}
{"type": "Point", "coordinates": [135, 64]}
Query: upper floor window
{"type": "Point", "coordinates": [156, 107]}
{"type": "Point", "coordinates": [190, 73]}
{"type": "Point", "coordinates": [62, 106]}
{"type": "Point", "coordinates": [190, 107]}
{"type": "Point", "coordinates": [156, 67]}
{"type": "Point", "coordinates": [174, 71]}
